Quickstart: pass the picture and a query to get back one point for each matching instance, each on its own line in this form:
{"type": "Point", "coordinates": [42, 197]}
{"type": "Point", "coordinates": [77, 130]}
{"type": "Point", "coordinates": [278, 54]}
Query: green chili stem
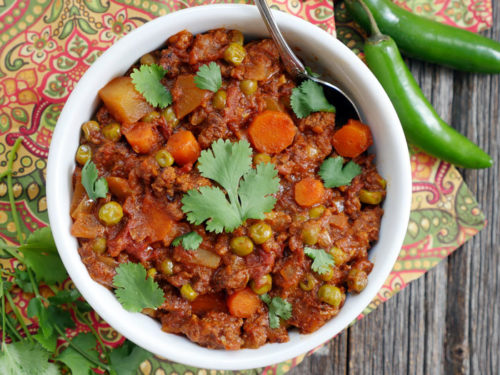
{"type": "Point", "coordinates": [13, 330]}
{"type": "Point", "coordinates": [3, 312]}
{"type": "Point", "coordinates": [13, 208]}
{"type": "Point", "coordinates": [18, 315]}
{"type": "Point", "coordinates": [85, 355]}
{"type": "Point", "coordinates": [373, 24]}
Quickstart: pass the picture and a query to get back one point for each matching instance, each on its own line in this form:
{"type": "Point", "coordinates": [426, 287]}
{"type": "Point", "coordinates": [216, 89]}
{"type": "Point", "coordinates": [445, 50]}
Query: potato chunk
{"type": "Point", "coordinates": [123, 101]}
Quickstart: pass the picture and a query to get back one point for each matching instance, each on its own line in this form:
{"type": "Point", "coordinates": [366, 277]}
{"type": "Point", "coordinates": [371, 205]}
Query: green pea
{"type": "Point", "coordinates": [339, 256]}
{"type": "Point", "coordinates": [248, 86]}
{"type": "Point", "coordinates": [89, 128]}
{"type": "Point", "coordinates": [188, 292]}
{"type": "Point", "coordinates": [330, 294]}
{"type": "Point", "coordinates": [99, 245]}
{"type": "Point", "coordinates": [147, 59]}
{"type": "Point", "coordinates": [219, 99]}
{"type": "Point", "coordinates": [170, 117]}
{"type": "Point", "coordinates": [370, 197]}
{"type": "Point", "coordinates": [261, 158]}
{"type": "Point", "coordinates": [317, 211]}
{"type": "Point", "coordinates": [260, 232]}
{"type": "Point", "coordinates": [164, 158]}
{"type": "Point", "coordinates": [310, 233]}
{"type": "Point", "coordinates": [327, 276]}
{"type": "Point", "coordinates": [266, 283]}
{"type": "Point", "coordinates": [111, 213]}
{"type": "Point", "coordinates": [308, 283]}
{"type": "Point", "coordinates": [151, 116]}
{"type": "Point", "coordinates": [235, 54]}
{"type": "Point", "coordinates": [357, 280]}
{"type": "Point", "coordinates": [167, 267]}
{"type": "Point", "coordinates": [241, 245]}
{"type": "Point", "coordinates": [112, 132]}
{"type": "Point", "coordinates": [83, 154]}
{"type": "Point", "coordinates": [152, 272]}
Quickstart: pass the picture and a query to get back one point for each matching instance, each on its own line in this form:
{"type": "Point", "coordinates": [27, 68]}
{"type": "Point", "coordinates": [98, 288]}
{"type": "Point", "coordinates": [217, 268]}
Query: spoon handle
{"type": "Point", "coordinates": [290, 61]}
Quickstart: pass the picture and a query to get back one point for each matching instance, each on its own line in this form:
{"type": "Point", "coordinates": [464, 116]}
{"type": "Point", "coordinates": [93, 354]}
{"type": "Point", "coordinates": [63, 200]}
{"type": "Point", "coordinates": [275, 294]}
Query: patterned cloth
{"type": "Point", "coordinates": [46, 46]}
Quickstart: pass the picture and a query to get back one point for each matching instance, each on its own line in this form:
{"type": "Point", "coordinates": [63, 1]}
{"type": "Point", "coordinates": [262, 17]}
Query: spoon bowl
{"type": "Point", "coordinates": [346, 109]}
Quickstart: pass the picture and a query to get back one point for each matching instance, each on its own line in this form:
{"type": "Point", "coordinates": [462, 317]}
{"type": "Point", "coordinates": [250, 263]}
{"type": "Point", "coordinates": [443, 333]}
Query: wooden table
{"type": "Point", "coordinates": [448, 321]}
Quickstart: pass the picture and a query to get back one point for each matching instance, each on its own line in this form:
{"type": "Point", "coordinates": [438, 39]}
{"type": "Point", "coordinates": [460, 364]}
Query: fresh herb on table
{"type": "Point", "coordinates": [249, 190]}
{"type": "Point", "coordinates": [94, 186]}
{"type": "Point", "coordinates": [334, 173]}
{"type": "Point", "coordinates": [189, 241]}
{"type": "Point", "coordinates": [209, 77]}
{"type": "Point", "coordinates": [308, 98]}
{"type": "Point", "coordinates": [134, 289]}
{"type": "Point", "coordinates": [322, 261]}
{"type": "Point", "coordinates": [278, 308]}
{"type": "Point", "coordinates": [29, 353]}
{"type": "Point", "coordinates": [147, 80]}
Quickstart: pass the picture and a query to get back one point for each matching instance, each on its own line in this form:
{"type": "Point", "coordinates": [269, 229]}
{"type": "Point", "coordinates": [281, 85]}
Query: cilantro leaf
{"type": "Point", "coordinates": [78, 364]}
{"type": "Point", "coordinates": [308, 98]}
{"type": "Point", "coordinates": [49, 318]}
{"type": "Point", "coordinates": [278, 308]}
{"type": "Point", "coordinates": [40, 254]}
{"type": "Point", "coordinates": [125, 359]}
{"type": "Point", "coordinates": [209, 77]}
{"type": "Point", "coordinates": [322, 261]}
{"type": "Point", "coordinates": [248, 190]}
{"type": "Point", "coordinates": [65, 296]}
{"type": "Point", "coordinates": [94, 186]}
{"type": "Point", "coordinates": [22, 280]}
{"type": "Point", "coordinates": [6, 286]}
{"type": "Point", "coordinates": [311, 72]}
{"type": "Point", "coordinates": [256, 189]}
{"type": "Point", "coordinates": [134, 291]}
{"type": "Point", "coordinates": [24, 357]}
{"type": "Point", "coordinates": [147, 80]}
{"type": "Point", "coordinates": [335, 174]}
{"type": "Point", "coordinates": [190, 241]}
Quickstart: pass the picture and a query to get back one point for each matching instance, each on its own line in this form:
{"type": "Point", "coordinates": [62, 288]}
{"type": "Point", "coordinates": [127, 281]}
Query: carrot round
{"type": "Point", "coordinates": [352, 139]}
{"type": "Point", "coordinates": [184, 147]}
{"type": "Point", "coordinates": [243, 303]}
{"type": "Point", "coordinates": [309, 192]}
{"type": "Point", "coordinates": [271, 131]}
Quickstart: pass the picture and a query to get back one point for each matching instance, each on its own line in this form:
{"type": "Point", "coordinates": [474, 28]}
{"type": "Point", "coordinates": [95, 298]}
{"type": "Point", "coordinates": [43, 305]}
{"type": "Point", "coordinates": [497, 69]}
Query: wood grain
{"type": "Point", "coordinates": [448, 321]}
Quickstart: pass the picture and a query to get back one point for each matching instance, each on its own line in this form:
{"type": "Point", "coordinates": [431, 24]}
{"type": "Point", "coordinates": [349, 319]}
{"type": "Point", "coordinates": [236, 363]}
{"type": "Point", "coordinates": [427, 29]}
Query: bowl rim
{"type": "Point", "coordinates": [269, 353]}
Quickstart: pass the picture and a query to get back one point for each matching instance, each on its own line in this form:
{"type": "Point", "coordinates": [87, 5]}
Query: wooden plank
{"type": "Point", "coordinates": [448, 321]}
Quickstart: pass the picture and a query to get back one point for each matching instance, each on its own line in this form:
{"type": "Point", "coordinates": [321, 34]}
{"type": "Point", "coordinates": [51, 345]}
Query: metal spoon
{"type": "Point", "coordinates": [346, 109]}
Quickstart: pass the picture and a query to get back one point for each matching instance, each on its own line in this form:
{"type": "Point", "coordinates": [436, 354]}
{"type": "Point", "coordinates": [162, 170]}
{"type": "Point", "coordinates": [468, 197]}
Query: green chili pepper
{"type": "Point", "coordinates": [422, 125]}
{"type": "Point", "coordinates": [429, 40]}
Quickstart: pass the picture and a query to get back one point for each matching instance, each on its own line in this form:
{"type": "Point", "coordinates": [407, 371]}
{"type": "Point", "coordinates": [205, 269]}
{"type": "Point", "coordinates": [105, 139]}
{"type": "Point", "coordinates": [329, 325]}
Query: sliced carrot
{"type": "Point", "coordinates": [352, 139]}
{"type": "Point", "coordinates": [271, 131]}
{"type": "Point", "coordinates": [309, 192]}
{"type": "Point", "coordinates": [141, 136]}
{"type": "Point", "coordinates": [184, 147]}
{"type": "Point", "coordinates": [119, 187]}
{"type": "Point", "coordinates": [205, 303]}
{"type": "Point", "coordinates": [243, 303]}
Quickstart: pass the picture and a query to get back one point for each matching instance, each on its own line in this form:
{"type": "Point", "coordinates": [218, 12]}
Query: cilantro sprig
{"type": "Point", "coordinates": [36, 353]}
{"type": "Point", "coordinates": [134, 289]}
{"type": "Point", "coordinates": [147, 80]}
{"type": "Point", "coordinates": [94, 186]}
{"type": "Point", "coordinates": [247, 192]}
{"type": "Point", "coordinates": [308, 98]}
{"type": "Point", "coordinates": [334, 173]}
{"type": "Point", "coordinates": [322, 261]}
{"type": "Point", "coordinates": [189, 241]}
{"type": "Point", "coordinates": [209, 77]}
{"type": "Point", "coordinates": [278, 308]}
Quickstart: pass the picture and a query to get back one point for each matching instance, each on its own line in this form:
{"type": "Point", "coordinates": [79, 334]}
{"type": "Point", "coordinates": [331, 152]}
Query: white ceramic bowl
{"type": "Point", "coordinates": [323, 53]}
